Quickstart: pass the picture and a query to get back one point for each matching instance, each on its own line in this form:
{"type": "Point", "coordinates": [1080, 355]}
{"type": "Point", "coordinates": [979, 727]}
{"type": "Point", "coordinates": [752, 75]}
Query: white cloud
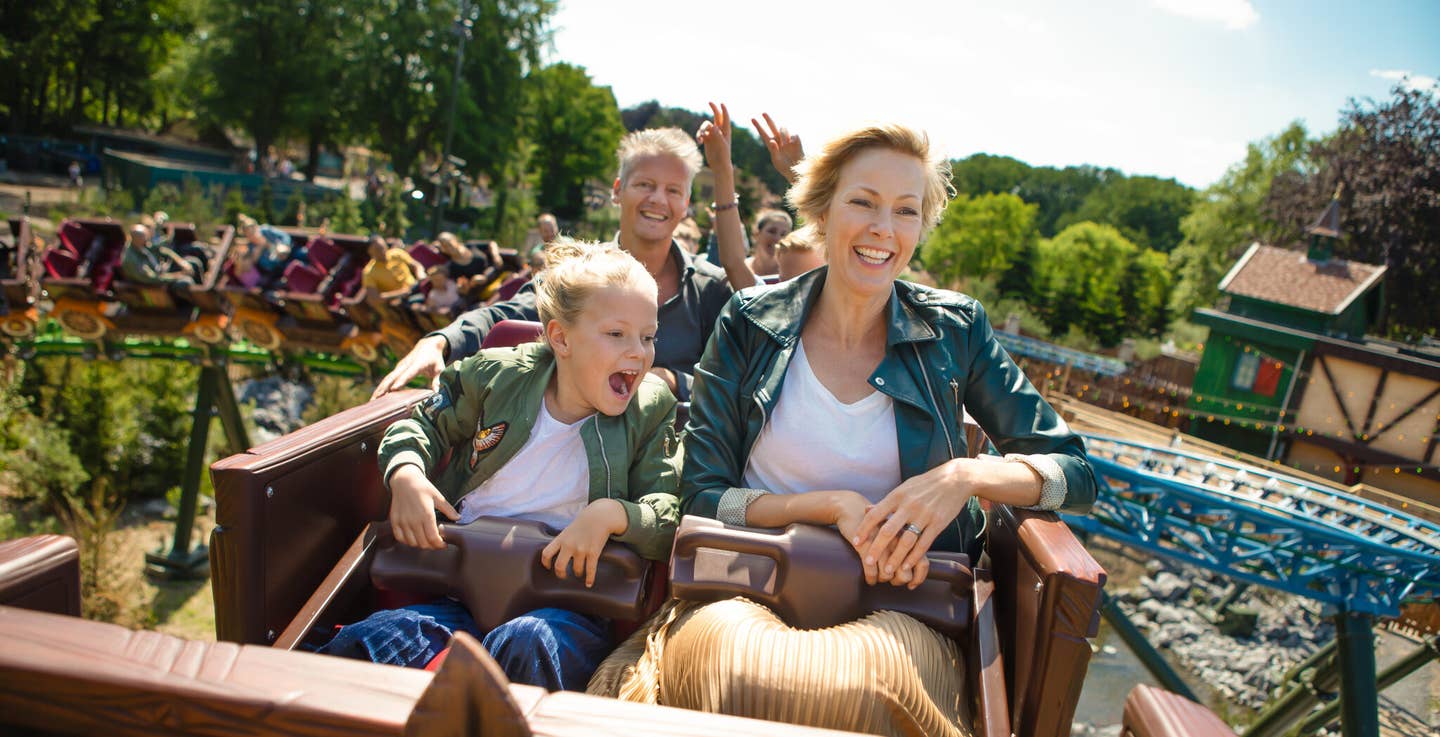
{"type": "Point", "coordinates": [1409, 80]}
{"type": "Point", "coordinates": [1236, 15]}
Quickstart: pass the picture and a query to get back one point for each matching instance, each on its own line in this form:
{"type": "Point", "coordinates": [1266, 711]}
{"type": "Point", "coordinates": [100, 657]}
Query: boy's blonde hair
{"type": "Point", "coordinates": [575, 269]}
{"type": "Point", "coordinates": [819, 174]}
{"type": "Point", "coordinates": [658, 142]}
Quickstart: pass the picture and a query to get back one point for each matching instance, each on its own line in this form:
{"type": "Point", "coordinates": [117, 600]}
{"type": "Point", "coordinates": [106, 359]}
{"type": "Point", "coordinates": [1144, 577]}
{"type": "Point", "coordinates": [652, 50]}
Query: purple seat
{"type": "Point", "coordinates": [510, 333]}
{"type": "Point", "coordinates": [302, 278]}
{"type": "Point", "coordinates": [324, 254]}
{"type": "Point", "coordinates": [427, 255]}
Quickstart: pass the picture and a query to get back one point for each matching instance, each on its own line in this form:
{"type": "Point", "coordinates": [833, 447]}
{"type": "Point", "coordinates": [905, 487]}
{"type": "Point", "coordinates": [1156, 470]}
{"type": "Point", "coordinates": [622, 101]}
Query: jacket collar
{"type": "Point", "coordinates": [680, 256]}
{"type": "Point", "coordinates": [780, 310]}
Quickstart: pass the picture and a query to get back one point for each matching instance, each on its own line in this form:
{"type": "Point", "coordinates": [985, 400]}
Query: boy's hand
{"type": "Point", "coordinates": [583, 540]}
{"type": "Point", "coordinates": [413, 501]}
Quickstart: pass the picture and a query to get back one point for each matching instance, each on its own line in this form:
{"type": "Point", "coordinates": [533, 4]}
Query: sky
{"type": "Point", "coordinates": [1169, 88]}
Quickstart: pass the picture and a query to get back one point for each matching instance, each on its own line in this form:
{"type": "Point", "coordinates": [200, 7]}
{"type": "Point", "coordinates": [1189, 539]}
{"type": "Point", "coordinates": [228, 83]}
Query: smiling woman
{"type": "Point", "coordinates": [838, 398]}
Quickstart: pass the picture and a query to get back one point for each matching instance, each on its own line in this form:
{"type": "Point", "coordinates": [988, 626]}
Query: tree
{"type": "Point", "coordinates": [980, 237]}
{"type": "Point", "coordinates": [575, 127]}
{"type": "Point", "coordinates": [1087, 276]}
{"type": "Point", "coordinates": [1146, 210]}
{"type": "Point", "coordinates": [1385, 161]}
{"type": "Point", "coordinates": [1230, 215]}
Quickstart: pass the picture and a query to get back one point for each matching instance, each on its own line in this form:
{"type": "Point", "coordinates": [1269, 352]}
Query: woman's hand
{"type": "Point", "coordinates": [850, 509]}
{"type": "Point", "coordinates": [927, 502]}
{"type": "Point", "coordinates": [714, 136]}
{"type": "Point", "coordinates": [413, 501]}
{"type": "Point", "coordinates": [583, 540]}
{"type": "Point", "coordinates": [785, 149]}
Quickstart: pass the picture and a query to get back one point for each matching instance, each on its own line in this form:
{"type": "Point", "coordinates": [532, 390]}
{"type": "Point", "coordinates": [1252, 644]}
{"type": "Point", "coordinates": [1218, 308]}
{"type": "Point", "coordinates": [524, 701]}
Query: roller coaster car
{"type": "Point", "coordinates": [79, 270]}
{"type": "Point", "coordinates": [20, 270]}
{"type": "Point", "coordinates": [196, 310]}
{"type": "Point", "coordinates": [307, 306]}
{"type": "Point", "coordinates": [62, 675]}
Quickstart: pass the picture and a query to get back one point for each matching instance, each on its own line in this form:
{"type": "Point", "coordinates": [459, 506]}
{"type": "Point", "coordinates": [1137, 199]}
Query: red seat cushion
{"type": "Point", "coordinates": [427, 255]}
{"type": "Point", "coordinates": [510, 333]}
{"type": "Point", "coordinates": [324, 254]}
{"type": "Point", "coordinates": [61, 263]}
{"type": "Point", "coordinates": [511, 286]}
{"type": "Point", "coordinates": [302, 278]}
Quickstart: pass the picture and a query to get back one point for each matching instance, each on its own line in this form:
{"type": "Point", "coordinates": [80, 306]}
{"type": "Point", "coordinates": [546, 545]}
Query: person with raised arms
{"type": "Point", "coordinates": [656, 170]}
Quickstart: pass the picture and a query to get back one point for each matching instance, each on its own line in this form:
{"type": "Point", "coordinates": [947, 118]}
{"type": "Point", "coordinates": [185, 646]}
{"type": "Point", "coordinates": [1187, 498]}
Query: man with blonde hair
{"type": "Point", "coordinates": [656, 170]}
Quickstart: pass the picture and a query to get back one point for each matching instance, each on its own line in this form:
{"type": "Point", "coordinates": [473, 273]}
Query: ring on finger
{"type": "Point", "coordinates": [912, 527]}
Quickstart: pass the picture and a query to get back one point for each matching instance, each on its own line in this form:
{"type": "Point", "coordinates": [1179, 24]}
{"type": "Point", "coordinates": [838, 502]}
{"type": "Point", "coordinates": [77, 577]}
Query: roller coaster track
{"type": "Point", "coordinates": [50, 340]}
{"type": "Point", "coordinates": [1262, 527]}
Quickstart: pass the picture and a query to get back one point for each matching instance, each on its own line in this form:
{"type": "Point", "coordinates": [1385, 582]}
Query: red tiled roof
{"type": "Point", "coordinates": [1286, 277]}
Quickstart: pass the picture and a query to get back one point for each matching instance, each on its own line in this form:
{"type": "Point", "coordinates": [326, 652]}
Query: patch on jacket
{"type": "Point", "coordinates": [434, 404]}
{"type": "Point", "coordinates": [485, 440]}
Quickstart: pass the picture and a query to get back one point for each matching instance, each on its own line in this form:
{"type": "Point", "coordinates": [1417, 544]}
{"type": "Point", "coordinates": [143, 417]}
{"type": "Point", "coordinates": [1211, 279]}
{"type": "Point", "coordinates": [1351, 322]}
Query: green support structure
{"type": "Point", "coordinates": [1149, 656]}
{"type": "Point", "coordinates": [1359, 697]}
{"type": "Point", "coordinates": [213, 395]}
{"type": "Point", "coordinates": [1427, 652]}
{"type": "Point", "coordinates": [1317, 676]}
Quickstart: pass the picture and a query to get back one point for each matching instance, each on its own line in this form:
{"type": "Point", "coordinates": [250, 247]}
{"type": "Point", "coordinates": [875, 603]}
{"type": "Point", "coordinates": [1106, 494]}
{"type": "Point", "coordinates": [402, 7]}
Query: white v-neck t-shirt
{"type": "Point", "coordinates": [547, 480]}
{"type": "Point", "coordinates": [814, 441]}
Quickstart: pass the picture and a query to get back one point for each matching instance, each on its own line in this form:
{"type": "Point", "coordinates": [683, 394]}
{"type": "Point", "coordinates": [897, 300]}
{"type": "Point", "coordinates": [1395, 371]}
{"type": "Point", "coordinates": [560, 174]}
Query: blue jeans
{"type": "Point", "coordinates": [556, 649]}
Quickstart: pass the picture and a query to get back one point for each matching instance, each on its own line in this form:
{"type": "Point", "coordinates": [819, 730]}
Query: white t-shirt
{"type": "Point", "coordinates": [547, 480]}
{"type": "Point", "coordinates": [814, 441]}
{"type": "Point", "coordinates": [443, 299]}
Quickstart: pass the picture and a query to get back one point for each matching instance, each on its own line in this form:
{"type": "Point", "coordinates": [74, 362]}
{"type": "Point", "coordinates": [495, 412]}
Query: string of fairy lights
{"type": "Point", "coordinates": [1178, 401]}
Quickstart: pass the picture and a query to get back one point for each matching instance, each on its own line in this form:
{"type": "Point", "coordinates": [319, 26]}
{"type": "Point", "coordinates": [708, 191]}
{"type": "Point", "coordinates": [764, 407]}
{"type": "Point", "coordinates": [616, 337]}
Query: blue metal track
{"type": "Point", "coordinates": [1043, 351]}
{"type": "Point", "coordinates": [1262, 527]}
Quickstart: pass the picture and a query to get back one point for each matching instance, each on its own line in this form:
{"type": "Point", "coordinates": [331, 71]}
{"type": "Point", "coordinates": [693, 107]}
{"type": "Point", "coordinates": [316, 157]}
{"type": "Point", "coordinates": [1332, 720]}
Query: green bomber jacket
{"type": "Point", "coordinates": [485, 409]}
{"type": "Point", "coordinates": [941, 360]}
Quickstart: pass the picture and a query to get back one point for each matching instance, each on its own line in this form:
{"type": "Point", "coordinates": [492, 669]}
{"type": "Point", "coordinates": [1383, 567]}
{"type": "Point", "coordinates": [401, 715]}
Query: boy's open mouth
{"type": "Point", "coordinates": [623, 383]}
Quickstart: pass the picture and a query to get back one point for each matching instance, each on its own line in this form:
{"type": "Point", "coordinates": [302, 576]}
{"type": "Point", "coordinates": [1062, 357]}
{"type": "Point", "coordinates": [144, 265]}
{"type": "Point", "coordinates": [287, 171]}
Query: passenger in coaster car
{"type": "Point", "coordinates": [267, 250]}
{"type": "Point", "coordinates": [469, 267]}
{"type": "Point", "coordinates": [145, 262]}
{"type": "Point", "coordinates": [535, 432]}
{"type": "Point", "coordinates": [390, 268]}
{"type": "Point", "coordinates": [444, 295]}
{"type": "Point", "coordinates": [652, 190]}
{"type": "Point", "coordinates": [799, 252]}
{"type": "Point", "coordinates": [837, 398]}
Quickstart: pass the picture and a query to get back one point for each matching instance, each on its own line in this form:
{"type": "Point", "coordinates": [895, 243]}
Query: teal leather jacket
{"type": "Point", "coordinates": [941, 355]}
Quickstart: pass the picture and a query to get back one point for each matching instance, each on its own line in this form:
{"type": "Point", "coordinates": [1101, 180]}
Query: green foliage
{"type": "Point", "coordinates": [1055, 191]}
{"type": "Point", "coordinates": [127, 423]}
{"type": "Point", "coordinates": [293, 207]}
{"type": "Point", "coordinates": [76, 61]}
{"type": "Point", "coordinates": [981, 237]}
{"type": "Point", "coordinates": [234, 207]}
{"type": "Point", "coordinates": [334, 394]}
{"type": "Point", "coordinates": [1385, 163]}
{"type": "Point", "coordinates": [393, 218]}
{"type": "Point", "coordinates": [1146, 210]}
{"type": "Point", "coordinates": [1229, 216]}
{"type": "Point", "coordinates": [1091, 278]}
{"type": "Point", "coordinates": [575, 127]}
{"type": "Point", "coordinates": [36, 463]}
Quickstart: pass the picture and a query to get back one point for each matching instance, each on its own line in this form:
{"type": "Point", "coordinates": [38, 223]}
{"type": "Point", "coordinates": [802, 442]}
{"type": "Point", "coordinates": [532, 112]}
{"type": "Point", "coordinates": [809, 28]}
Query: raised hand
{"type": "Point", "coordinates": [785, 149]}
{"type": "Point", "coordinates": [714, 136]}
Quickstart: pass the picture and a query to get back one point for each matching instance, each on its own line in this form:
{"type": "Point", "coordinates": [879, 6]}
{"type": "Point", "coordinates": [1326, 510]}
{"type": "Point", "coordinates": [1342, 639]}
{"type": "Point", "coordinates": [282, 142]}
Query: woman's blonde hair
{"type": "Point", "coordinates": [658, 142]}
{"type": "Point", "coordinates": [575, 269]}
{"type": "Point", "coordinates": [449, 239]}
{"type": "Point", "coordinates": [819, 173]}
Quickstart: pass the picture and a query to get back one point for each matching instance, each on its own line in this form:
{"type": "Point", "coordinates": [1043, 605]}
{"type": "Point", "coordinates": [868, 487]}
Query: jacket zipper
{"type": "Point", "coordinates": [764, 418]}
{"type": "Point", "coordinates": [603, 457]}
{"type": "Point", "coordinates": [939, 411]}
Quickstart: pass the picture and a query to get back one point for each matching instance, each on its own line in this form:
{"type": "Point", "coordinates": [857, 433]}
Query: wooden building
{"type": "Point", "coordinates": [1289, 374]}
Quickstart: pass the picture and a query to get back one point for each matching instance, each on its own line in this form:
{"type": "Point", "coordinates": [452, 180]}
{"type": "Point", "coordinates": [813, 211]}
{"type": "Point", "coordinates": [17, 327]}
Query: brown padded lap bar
{"type": "Point", "coordinates": [1048, 610]}
{"type": "Point", "coordinates": [810, 576]}
{"type": "Point", "coordinates": [73, 676]}
{"type": "Point", "coordinates": [492, 566]}
{"type": "Point", "coordinates": [287, 510]}
{"type": "Point", "coordinates": [1153, 712]}
{"type": "Point", "coordinates": [41, 573]}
